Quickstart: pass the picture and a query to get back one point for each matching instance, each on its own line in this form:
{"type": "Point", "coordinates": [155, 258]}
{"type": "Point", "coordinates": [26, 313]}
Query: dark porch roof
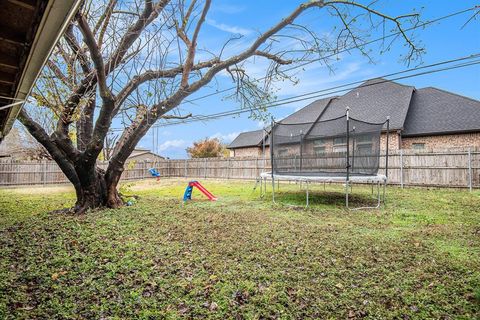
{"type": "Point", "coordinates": [28, 31]}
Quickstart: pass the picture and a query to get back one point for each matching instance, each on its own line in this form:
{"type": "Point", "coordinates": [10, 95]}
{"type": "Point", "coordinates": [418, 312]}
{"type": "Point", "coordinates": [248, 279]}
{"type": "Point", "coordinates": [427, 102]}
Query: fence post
{"type": "Point", "coordinates": [228, 168]}
{"type": "Point", "coordinates": [185, 168]}
{"type": "Point", "coordinates": [44, 171]}
{"type": "Point", "coordinates": [205, 168]}
{"type": "Point", "coordinates": [401, 168]}
{"type": "Point", "coordinates": [470, 180]}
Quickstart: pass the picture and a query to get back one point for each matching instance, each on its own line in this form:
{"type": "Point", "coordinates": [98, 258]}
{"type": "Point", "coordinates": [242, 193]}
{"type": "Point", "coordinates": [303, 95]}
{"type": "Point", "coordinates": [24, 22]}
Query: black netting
{"type": "Point", "coordinates": [322, 148]}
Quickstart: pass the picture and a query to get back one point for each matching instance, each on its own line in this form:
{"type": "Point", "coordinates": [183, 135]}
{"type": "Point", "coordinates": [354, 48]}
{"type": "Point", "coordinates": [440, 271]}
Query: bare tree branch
{"type": "Point", "coordinates": [96, 56]}
{"type": "Point", "coordinates": [169, 116]}
{"type": "Point", "coordinates": [193, 45]}
{"type": "Point", "coordinates": [77, 49]}
{"type": "Point", "coordinates": [272, 57]}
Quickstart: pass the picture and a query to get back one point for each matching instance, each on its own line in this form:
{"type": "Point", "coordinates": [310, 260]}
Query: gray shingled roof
{"type": "Point", "coordinates": [426, 111]}
{"type": "Point", "coordinates": [373, 101]}
{"type": "Point", "coordinates": [434, 111]}
{"type": "Point", "coordinates": [309, 113]}
{"type": "Point", "coordinates": [247, 139]}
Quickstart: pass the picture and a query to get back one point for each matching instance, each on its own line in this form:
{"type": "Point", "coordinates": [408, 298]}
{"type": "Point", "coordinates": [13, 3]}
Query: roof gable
{"type": "Point", "coordinates": [435, 111]}
{"type": "Point", "coordinates": [374, 101]}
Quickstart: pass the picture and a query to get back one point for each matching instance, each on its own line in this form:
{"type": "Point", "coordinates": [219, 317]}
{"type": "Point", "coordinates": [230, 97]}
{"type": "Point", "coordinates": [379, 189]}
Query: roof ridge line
{"type": "Point", "coordinates": [452, 93]}
{"type": "Point", "coordinates": [386, 80]}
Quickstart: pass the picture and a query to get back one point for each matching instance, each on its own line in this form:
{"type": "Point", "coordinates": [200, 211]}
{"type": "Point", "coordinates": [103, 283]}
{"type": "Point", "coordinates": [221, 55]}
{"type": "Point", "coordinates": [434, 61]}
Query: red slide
{"type": "Point", "coordinates": [203, 190]}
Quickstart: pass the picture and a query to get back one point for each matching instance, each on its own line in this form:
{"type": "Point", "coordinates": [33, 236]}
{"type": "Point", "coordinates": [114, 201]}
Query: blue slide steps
{"type": "Point", "coordinates": [188, 193]}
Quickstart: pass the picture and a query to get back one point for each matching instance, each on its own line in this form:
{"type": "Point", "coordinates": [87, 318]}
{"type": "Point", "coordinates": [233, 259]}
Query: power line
{"type": "Point", "coordinates": [328, 91]}
{"type": "Point", "coordinates": [383, 76]}
{"type": "Point", "coordinates": [211, 117]}
{"type": "Point", "coordinates": [344, 50]}
{"type": "Point", "coordinates": [239, 111]}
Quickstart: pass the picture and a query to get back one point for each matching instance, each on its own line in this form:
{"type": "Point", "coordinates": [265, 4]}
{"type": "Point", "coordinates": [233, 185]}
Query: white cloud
{"type": "Point", "coordinates": [178, 143]}
{"type": "Point", "coordinates": [227, 137]}
{"type": "Point", "coordinates": [228, 28]}
{"type": "Point", "coordinates": [228, 8]}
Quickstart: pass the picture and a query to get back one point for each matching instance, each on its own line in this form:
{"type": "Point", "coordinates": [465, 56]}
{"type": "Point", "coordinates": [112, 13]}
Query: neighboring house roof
{"type": "Point", "coordinates": [434, 111]}
{"type": "Point", "coordinates": [247, 139]}
{"type": "Point", "coordinates": [374, 101]}
{"type": "Point", "coordinates": [141, 151]}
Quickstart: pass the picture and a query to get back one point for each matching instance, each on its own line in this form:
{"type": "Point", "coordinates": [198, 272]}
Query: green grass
{"type": "Point", "coordinates": [241, 257]}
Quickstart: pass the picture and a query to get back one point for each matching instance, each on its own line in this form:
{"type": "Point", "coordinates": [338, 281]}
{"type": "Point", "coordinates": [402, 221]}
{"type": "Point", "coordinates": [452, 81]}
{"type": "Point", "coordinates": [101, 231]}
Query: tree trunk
{"type": "Point", "coordinates": [93, 191]}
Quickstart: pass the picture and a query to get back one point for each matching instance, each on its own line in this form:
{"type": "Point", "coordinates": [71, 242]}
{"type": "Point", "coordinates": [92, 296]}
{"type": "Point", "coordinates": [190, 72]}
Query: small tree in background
{"type": "Point", "coordinates": [206, 148]}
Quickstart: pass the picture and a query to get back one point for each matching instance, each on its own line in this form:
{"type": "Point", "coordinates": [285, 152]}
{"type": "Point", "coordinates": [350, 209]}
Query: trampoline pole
{"type": "Point", "coordinates": [346, 194]}
{"type": "Point", "coordinates": [378, 194]}
{"type": "Point", "coordinates": [386, 151]}
{"type": "Point", "coordinates": [306, 182]}
{"type": "Point", "coordinates": [384, 190]}
{"type": "Point", "coordinates": [347, 114]}
{"type": "Point", "coordinates": [272, 134]}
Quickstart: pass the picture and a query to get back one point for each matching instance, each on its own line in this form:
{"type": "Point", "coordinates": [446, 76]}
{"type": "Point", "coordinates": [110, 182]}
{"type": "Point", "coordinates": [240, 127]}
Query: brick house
{"type": "Point", "coordinates": [426, 118]}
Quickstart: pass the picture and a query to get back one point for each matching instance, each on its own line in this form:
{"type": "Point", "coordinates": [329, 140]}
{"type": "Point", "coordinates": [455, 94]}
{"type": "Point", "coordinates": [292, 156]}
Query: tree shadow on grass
{"type": "Point", "coordinates": [325, 198]}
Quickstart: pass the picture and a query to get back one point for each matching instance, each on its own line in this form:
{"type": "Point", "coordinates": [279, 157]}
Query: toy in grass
{"type": "Point", "coordinates": [154, 173]}
{"type": "Point", "coordinates": [188, 191]}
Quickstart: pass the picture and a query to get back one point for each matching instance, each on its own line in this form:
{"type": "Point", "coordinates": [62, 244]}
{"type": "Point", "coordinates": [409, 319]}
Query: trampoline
{"type": "Point", "coordinates": [341, 150]}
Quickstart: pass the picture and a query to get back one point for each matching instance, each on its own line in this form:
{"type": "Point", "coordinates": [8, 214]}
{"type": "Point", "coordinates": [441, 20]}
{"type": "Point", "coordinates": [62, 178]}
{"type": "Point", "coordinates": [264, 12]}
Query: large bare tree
{"type": "Point", "coordinates": [138, 60]}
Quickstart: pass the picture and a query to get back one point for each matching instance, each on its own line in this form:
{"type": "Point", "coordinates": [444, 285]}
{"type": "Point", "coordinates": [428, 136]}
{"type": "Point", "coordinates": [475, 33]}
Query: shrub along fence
{"type": "Point", "coordinates": [406, 168]}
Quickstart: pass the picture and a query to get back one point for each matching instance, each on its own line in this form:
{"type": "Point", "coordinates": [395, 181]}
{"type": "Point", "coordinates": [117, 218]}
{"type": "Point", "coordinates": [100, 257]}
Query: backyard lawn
{"type": "Point", "coordinates": [240, 257]}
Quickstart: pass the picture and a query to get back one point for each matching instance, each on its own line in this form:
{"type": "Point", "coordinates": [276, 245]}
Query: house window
{"type": "Point", "coordinates": [319, 147]}
{"type": "Point", "coordinates": [418, 146]}
{"type": "Point", "coordinates": [340, 144]}
{"type": "Point", "coordinates": [364, 144]}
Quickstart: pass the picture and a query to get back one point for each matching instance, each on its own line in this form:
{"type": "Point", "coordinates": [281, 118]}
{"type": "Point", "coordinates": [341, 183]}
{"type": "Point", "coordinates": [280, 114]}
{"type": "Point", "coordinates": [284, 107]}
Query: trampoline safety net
{"type": "Point", "coordinates": [338, 147]}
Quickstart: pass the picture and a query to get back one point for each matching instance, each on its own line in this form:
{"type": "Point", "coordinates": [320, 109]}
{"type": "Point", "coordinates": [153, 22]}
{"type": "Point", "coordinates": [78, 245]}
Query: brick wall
{"type": "Point", "coordinates": [395, 143]}
{"type": "Point", "coordinates": [246, 152]}
{"type": "Point", "coordinates": [451, 141]}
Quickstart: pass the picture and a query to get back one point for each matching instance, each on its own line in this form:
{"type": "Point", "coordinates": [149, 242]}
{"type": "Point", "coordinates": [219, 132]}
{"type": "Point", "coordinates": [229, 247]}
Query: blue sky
{"type": "Point", "coordinates": [442, 41]}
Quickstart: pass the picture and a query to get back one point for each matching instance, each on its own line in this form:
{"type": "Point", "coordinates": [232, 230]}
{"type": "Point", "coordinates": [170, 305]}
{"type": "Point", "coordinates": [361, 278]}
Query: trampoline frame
{"type": "Point", "coordinates": [347, 179]}
{"type": "Point", "coordinates": [379, 180]}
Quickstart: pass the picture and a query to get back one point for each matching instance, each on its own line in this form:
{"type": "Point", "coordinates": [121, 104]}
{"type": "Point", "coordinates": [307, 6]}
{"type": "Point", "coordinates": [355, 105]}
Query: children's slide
{"type": "Point", "coordinates": [188, 192]}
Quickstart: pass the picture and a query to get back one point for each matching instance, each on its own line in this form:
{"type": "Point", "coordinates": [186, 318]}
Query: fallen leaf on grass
{"type": "Point", "coordinates": [56, 275]}
{"type": "Point", "coordinates": [213, 306]}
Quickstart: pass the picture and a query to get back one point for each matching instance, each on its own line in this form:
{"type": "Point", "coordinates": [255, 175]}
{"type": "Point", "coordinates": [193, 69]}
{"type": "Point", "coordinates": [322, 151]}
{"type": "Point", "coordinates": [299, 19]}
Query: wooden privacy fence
{"type": "Point", "coordinates": [406, 168]}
